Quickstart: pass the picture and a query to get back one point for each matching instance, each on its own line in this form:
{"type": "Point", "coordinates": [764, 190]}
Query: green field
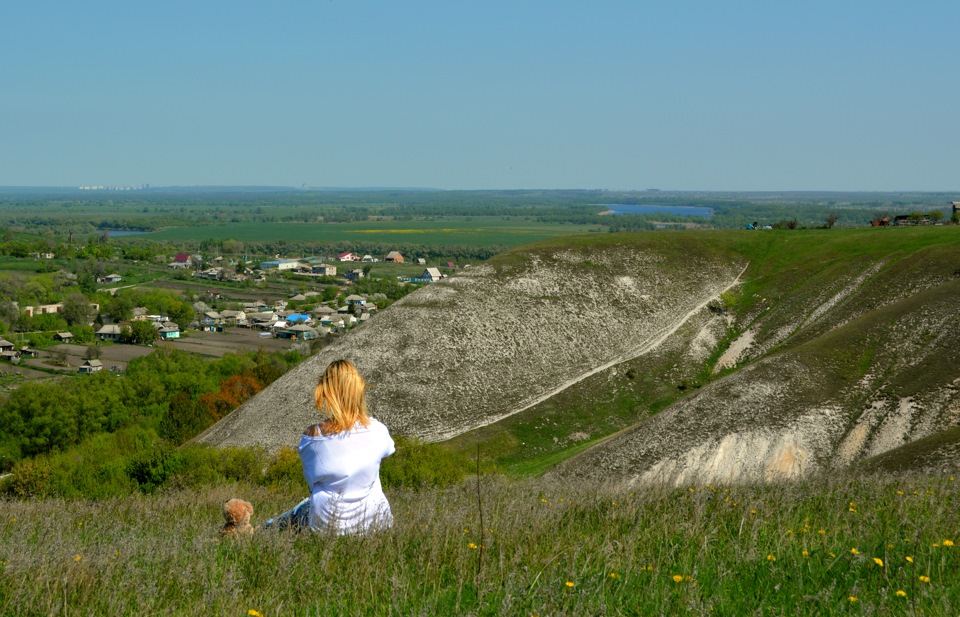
{"type": "Point", "coordinates": [480, 231]}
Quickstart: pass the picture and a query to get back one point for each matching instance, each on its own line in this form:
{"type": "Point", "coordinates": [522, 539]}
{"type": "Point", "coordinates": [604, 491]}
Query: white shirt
{"type": "Point", "coordinates": [343, 473]}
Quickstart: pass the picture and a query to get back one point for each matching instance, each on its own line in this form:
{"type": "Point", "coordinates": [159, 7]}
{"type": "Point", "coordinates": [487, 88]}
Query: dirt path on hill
{"type": "Point", "coordinates": [647, 347]}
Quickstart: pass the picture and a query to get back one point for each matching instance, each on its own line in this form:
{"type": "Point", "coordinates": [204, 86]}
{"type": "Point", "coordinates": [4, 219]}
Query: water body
{"type": "Point", "coordinates": [122, 232]}
{"type": "Point", "coordinates": [653, 209]}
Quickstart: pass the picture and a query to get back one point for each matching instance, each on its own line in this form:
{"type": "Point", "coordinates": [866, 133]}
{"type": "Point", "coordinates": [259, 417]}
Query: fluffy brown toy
{"type": "Point", "coordinates": [237, 513]}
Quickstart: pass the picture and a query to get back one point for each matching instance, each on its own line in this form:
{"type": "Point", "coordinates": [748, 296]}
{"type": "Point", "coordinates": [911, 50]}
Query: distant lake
{"type": "Point", "coordinates": [653, 209]}
{"type": "Point", "coordinates": [122, 232]}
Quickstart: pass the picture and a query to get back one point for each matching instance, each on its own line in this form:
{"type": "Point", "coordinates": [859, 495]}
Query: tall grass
{"type": "Point", "coordinates": [882, 546]}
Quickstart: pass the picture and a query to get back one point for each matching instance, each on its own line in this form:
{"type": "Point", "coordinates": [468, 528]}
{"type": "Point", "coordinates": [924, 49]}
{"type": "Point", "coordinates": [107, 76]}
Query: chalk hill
{"type": "Point", "coordinates": [842, 345]}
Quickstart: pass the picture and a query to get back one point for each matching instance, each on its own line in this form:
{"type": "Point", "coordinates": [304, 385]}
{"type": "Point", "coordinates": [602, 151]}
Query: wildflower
{"type": "Point", "coordinates": [789, 532]}
{"type": "Point", "coordinates": [909, 559]}
{"type": "Point", "coordinates": [924, 579]}
{"type": "Point", "coordinates": [78, 558]}
{"type": "Point", "coordinates": [471, 545]}
{"type": "Point", "coordinates": [753, 511]}
{"type": "Point", "coordinates": [948, 542]}
{"type": "Point", "coordinates": [771, 557]}
{"type": "Point", "coordinates": [821, 532]}
{"type": "Point", "coordinates": [899, 492]}
{"type": "Point", "coordinates": [854, 551]}
{"type": "Point", "coordinates": [570, 584]}
{"type": "Point", "coordinates": [254, 613]}
{"type": "Point", "coordinates": [693, 490]}
{"type": "Point", "coordinates": [466, 531]}
{"type": "Point", "coordinates": [805, 554]}
{"type": "Point", "coordinates": [677, 578]}
{"type": "Point", "coordinates": [852, 598]}
{"type": "Point", "coordinates": [542, 500]}
{"type": "Point", "coordinates": [13, 520]}
{"type": "Point", "coordinates": [935, 545]}
{"type": "Point", "coordinates": [901, 593]}
{"type": "Point", "coordinates": [614, 575]}
{"type": "Point", "coordinates": [878, 561]}
{"type": "Point", "coordinates": [853, 509]}
{"type": "Point", "coordinates": [889, 546]}
{"type": "Point", "coordinates": [832, 554]}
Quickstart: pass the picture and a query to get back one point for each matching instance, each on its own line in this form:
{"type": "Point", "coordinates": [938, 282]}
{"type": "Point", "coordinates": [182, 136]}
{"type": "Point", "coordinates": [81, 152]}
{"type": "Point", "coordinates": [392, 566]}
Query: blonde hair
{"type": "Point", "coordinates": [340, 396]}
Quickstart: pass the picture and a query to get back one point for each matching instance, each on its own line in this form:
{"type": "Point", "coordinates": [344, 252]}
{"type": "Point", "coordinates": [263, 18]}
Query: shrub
{"type": "Point", "coordinates": [30, 478]}
{"type": "Point", "coordinates": [284, 469]}
{"type": "Point", "coordinates": [417, 465]}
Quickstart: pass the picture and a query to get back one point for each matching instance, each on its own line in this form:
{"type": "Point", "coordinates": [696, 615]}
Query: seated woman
{"type": "Point", "coordinates": [341, 460]}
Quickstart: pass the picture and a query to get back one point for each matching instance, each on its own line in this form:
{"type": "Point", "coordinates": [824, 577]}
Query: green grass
{"type": "Point", "coordinates": [480, 231]}
{"type": "Point", "coordinates": [542, 549]}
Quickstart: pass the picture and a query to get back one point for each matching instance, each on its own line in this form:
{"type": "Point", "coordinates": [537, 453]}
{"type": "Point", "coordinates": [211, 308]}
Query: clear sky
{"type": "Point", "coordinates": [457, 94]}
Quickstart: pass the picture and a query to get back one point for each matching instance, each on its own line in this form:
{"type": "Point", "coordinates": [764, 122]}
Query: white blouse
{"type": "Point", "coordinates": [343, 473]}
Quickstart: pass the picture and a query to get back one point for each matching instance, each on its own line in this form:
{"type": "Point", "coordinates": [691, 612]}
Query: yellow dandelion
{"type": "Point", "coordinates": [878, 561]}
{"type": "Point", "coordinates": [614, 575]}
{"type": "Point", "coordinates": [570, 584]}
{"type": "Point", "coordinates": [901, 593]}
{"type": "Point", "coordinates": [13, 520]}
{"type": "Point", "coordinates": [771, 557]}
{"type": "Point", "coordinates": [466, 531]}
{"type": "Point", "coordinates": [805, 554]}
{"type": "Point", "coordinates": [899, 492]}
{"type": "Point", "coordinates": [789, 532]}
{"type": "Point", "coordinates": [909, 559]}
{"type": "Point", "coordinates": [542, 500]}
{"type": "Point", "coordinates": [832, 554]}
{"type": "Point", "coordinates": [854, 551]}
{"type": "Point", "coordinates": [936, 545]}
{"type": "Point", "coordinates": [924, 579]}
{"type": "Point", "coordinates": [254, 613]}
{"type": "Point", "coordinates": [889, 546]}
{"type": "Point", "coordinates": [948, 542]}
{"type": "Point", "coordinates": [116, 554]}
{"type": "Point", "coordinates": [821, 531]}
{"type": "Point", "coordinates": [753, 511]}
{"type": "Point", "coordinates": [471, 545]}
{"type": "Point", "coordinates": [677, 578]}
{"type": "Point", "coordinates": [852, 598]}
{"type": "Point", "coordinates": [78, 558]}
{"type": "Point", "coordinates": [853, 509]}
{"type": "Point", "coordinates": [852, 504]}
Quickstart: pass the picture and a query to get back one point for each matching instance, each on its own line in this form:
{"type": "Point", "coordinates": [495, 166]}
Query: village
{"type": "Point", "coordinates": [273, 305]}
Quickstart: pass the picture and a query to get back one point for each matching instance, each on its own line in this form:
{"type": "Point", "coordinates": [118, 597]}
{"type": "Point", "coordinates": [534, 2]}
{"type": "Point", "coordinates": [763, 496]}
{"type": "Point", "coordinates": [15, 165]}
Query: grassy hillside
{"type": "Point", "coordinates": [533, 547]}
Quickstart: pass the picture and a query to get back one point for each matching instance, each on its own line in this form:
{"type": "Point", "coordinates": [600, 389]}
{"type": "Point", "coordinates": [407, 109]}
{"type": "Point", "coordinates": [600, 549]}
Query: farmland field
{"type": "Point", "coordinates": [480, 231]}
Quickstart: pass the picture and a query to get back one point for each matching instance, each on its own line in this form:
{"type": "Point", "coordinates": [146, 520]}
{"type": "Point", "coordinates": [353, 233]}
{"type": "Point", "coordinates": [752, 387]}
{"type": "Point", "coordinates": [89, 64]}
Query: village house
{"type": "Point", "coordinates": [348, 256]}
{"type": "Point", "coordinates": [210, 321]}
{"type": "Point", "coordinates": [421, 261]}
{"type": "Point", "coordinates": [354, 275]}
{"type": "Point", "coordinates": [300, 332]}
{"type": "Point", "coordinates": [167, 330]}
{"type": "Point", "coordinates": [234, 318]}
{"type": "Point", "coordinates": [180, 261]}
{"type": "Point", "coordinates": [324, 270]}
{"type": "Point", "coordinates": [6, 345]}
{"type": "Point", "coordinates": [431, 274]}
{"type": "Point", "coordinates": [394, 257]}
{"type": "Point", "coordinates": [63, 337]}
{"type": "Point", "coordinates": [112, 278]}
{"type": "Point", "coordinates": [91, 366]}
{"type": "Point", "coordinates": [109, 332]}
{"type": "Point", "coordinates": [355, 301]}
{"type": "Point", "coordinates": [280, 264]}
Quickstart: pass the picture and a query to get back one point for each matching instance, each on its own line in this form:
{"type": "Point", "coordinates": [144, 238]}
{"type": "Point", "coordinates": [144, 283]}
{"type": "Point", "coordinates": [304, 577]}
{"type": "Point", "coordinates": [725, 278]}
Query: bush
{"type": "Point", "coordinates": [30, 478]}
{"type": "Point", "coordinates": [417, 465]}
{"type": "Point", "coordinates": [284, 469]}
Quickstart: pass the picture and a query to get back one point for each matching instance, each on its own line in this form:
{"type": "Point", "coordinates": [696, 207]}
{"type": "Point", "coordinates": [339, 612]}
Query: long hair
{"type": "Point", "coordinates": [340, 396]}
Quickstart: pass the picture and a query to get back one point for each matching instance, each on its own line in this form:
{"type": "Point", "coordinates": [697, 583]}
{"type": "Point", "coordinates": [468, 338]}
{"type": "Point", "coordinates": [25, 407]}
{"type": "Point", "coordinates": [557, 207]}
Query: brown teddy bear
{"type": "Point", "coordinates": [237, 513]}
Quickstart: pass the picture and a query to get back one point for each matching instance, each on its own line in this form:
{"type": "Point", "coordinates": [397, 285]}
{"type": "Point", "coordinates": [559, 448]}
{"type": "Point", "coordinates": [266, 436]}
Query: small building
{"type": "Point", "coordinates": [394, 257]}
{"type": "Point", "coordinates": [91, 366]}
{"type": "Point", "coordinates": [280, 264]}
{"type": "Point", "coordinates": [354, 275]}
{"type": "Point", "coordinates": [109, 332]}
{"type": "Point", "coordinates": [63, 337]}
{"type": "Point", "coordinates": [354, 300]}
{"type": "Point", "coordinates": [421, 261]}
{"type": "Point", "coordinates": [6, 345]}
{"type": "Point", "coordinates": [324, 270]}
{"type": "Point", "coordinates": [348, 256]}
{"type": "Point", "coordinates": [112, 278]}
{"type": "Point", "coordinates": [431, 274]}
{"type": "Point", "coordinates": [168, 330]}
{"type": "Point", "coordinates": [300, 332]}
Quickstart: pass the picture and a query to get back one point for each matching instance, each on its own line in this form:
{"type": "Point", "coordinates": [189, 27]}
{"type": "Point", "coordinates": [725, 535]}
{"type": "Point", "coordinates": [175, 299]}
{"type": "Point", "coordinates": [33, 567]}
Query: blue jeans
{"type": "Point", "coordinates": [296, 518]}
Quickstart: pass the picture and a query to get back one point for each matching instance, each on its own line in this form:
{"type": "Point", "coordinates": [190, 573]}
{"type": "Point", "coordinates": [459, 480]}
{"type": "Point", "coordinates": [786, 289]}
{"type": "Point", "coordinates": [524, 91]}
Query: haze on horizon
{"type": "Point", "coordinates": [692, 96]}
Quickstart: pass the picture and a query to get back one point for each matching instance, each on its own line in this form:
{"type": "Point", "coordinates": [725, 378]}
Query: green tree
{"type": "Point", "coordinates": [141, 333]}
{"type": "Point", "coordinates": [77, 310]}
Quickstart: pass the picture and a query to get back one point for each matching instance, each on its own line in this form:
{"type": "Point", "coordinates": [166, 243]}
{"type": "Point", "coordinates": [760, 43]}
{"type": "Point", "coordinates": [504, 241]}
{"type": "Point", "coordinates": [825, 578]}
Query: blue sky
{"type": "Point", "coordinates": [688, 95]}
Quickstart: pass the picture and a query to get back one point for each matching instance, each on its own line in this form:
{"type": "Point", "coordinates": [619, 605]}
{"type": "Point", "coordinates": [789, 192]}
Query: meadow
{"type": "Point", "coordinates": [493, 546]}
{"type": "Point", "coordinates": [475, 231]}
